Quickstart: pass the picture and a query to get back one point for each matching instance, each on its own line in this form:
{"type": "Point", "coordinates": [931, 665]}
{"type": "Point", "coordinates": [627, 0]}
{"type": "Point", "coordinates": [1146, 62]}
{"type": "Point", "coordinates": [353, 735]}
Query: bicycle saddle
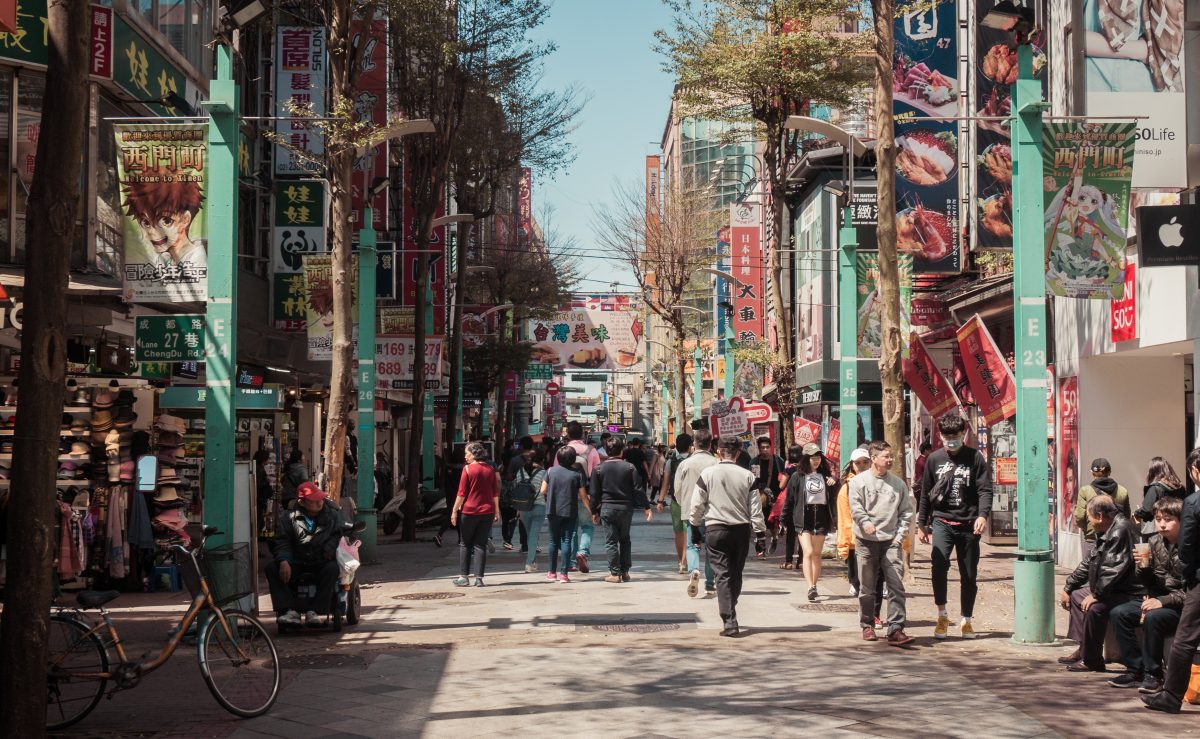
{"type": "Point", "coordinates": [95, 598]}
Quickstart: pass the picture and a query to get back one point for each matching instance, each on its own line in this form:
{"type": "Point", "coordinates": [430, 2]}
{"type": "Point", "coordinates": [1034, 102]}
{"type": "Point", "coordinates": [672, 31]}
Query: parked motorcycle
{"type": "Point", "coordinates": [430, 509]}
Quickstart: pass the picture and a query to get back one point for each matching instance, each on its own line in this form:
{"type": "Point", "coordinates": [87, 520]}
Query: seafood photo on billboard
{"type": "Point", "coordinates": [998, 103]}
{"type": "Point", "coordinates": [926, 157]}
{"type": "Point", "coordinates": [1000, 64]}
{"type": "Point", "coordinates": [997, 161]}
{"type": "Point", "coordinates": [923, 88]}
{"type": "Point", "coordinates": [995, 215]}
{"type": "Point", "coordinates": [925, 233]}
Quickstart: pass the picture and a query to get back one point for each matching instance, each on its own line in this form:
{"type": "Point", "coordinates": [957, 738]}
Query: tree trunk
{"type": "Point", "coordinates": [416, 426]}
{"type": "Point", "coordinates": [51, 215]}
{"type": "Point", "coordinates": [341, 163]}
{"type": "Point", "coordinates": [454, 412]}
{"type": "Point", "coordinates": [889, 273]}
{"type": "Point", "coordinates": [784, 377]}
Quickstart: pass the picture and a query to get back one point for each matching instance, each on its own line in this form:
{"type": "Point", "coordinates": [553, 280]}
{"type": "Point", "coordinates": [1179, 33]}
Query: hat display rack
{"type": "Point", "coordinates": [175, 499]}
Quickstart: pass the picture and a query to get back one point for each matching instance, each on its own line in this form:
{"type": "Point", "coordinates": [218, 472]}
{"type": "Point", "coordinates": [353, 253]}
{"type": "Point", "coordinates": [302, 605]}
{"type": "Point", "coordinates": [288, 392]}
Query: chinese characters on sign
{"type": "Point", "coordinates": [989, 375]}
{"type": "Point", "coordinates": [100, 52]}
{"type": "Point", "coordinates": [1123, 311]}
{"type": "Point", "coordinates": [746, 263]}
{"type": "Point", "coordinates": [594, 333]}
{"type": "Point", "coordinates": [926, 381]}
{"type": "Point", "coordinates": [370, 104]}
{"type": "Point", "coordinates": [300, 92]}
{"type": "Point", "coordinates": [318, 294]}
{"type": "Point", "coordinates": [299, 231]}
{"type": "Point", "coordinates": [169, 338]}
{"type": "Point", "coordinates": [162, 173]}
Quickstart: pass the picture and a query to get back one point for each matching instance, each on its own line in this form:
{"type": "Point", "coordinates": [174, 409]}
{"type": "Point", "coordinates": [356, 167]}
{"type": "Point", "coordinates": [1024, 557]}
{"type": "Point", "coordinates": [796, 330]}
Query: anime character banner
{"type": "Point", "coordinates": [870, 316]}
{"type": "Point", "coordinates": [162, 173]}
{"type": "Point", "coordinates": [1087, 170]}
{"type": "Point", "coordinates": [318, 299]}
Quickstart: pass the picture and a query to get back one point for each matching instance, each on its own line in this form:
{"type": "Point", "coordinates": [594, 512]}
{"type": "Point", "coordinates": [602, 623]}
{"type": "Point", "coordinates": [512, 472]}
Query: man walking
{"type": "Point", "coordinates": [668, 497]}
{"type": "Point", "coordinates": [954, 514]}
{"type": "Point", "coordinates": [686, 476]}
{"type": "Point", "coordinates": [1187, 634]}
{"type": "Point", "coordinates": [616, 489]}
{"type": "Point", "coordinates": [882, 510]}
{"type": "Point", "coordinates": [724, 502]}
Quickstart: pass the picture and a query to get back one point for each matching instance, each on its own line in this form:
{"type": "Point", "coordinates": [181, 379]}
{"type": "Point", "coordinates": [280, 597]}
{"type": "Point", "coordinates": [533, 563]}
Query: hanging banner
{"type": "Point", "coordinates": [1068, 451]}
{"type": "Point", "coordinates": [318, 300]}
{"type": "Point", "coordinates": [1086, 170]}
{"type": "Point", "coordinates": [525, 205]}
{"type": "Point", "coordinates": [162, 171]}
{"type": "Point", "coordinates": [299, 224]}
{"type": "Point", "coordinates": [723, 290]}
{"type": "Point", "coordinates": [870, 326]}
{"type": "Point", "coordinates": [925, 84]}
{"type": "Point", "coordinates": [995, 74]}
{"type": "Point", "coordinates": [991, 379]}
{"type": "Point", "coordinates": [833, 443]}
{"type": "Point", "coordinates": [600, 332]}
{"type": "Point", "coordinates": [299, 81]}
{"type": "Point", "coordinates": [370, 106]}
{"type": "Point", "coordinates": [747, 263]}
{"type": "Point", "coordinates": [926, 380]}
{"type": "Point", "coordinates": [1123, 311]}
{"type": "Point", "coordinates": [805, 431]}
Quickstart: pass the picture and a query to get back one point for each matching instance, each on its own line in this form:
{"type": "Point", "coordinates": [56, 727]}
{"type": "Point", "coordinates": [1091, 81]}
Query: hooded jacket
{"type": "Point", "coordinates": [1109, 570]}
{"type": "Point", "coordinates": [1100, 486]}
{"type": "Point", "coordinates": [1150, 495]}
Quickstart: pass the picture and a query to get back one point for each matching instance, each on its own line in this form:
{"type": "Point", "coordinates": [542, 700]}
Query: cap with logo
{"type": "Point", "coordinates": [1100, 464]}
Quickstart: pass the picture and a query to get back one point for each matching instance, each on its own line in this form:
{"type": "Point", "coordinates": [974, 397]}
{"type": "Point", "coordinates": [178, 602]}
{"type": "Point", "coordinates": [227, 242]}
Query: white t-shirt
{"type": "Point", "coordinates": [814, 489]}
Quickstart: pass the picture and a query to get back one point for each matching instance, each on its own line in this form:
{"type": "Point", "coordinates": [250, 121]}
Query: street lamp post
{"type": "Point", "coordinates": [697, 381]}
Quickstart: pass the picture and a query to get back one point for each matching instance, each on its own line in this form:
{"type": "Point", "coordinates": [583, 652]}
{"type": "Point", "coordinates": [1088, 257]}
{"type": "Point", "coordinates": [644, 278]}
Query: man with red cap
{"type": "Point", "coordinates": [306, 541]}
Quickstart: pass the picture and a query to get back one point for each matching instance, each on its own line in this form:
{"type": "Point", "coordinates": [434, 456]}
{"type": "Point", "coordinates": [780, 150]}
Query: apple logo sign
{"type": "Point", "coordinates": [1171, 233]}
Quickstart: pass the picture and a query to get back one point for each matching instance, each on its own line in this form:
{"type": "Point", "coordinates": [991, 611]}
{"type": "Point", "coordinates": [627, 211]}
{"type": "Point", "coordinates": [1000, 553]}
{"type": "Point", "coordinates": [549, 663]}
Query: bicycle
{"type": "Point", "coordinates": [236, 655]}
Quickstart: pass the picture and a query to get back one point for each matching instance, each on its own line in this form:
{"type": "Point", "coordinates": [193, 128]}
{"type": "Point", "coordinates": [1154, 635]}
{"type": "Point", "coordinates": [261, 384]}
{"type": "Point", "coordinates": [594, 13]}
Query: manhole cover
{"type": "Point", "coordinates": [828, 607]}
{"type": "Point", "coordinates": [635, 628]}
{"type": "Point", "coordinates": [427, 596]}
{"type": "Point", "coordinates": [320, 661]}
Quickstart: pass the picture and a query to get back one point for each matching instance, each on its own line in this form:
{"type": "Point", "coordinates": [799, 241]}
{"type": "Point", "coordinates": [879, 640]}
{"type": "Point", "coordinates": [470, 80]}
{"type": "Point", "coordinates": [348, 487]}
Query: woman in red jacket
{"type": "Point", "coordinates": [478, 503]}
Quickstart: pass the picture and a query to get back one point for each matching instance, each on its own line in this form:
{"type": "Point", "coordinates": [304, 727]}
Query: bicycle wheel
{"type": "Point", "coordinates": [240, 667]}
{"type": "Point", "coordinates": [72, 650]}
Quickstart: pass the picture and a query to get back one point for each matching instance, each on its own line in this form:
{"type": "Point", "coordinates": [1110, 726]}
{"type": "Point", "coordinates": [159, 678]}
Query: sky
{"type": "Point", "coordinates": [604, 49]}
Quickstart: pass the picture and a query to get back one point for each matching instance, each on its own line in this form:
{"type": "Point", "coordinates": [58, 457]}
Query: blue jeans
{"type": "Point", "coordinates": [562, 532]}
{"type": "Point", "coordinates": [693, 559]}
{"type": "Point", "coordinates": [617, 522]}
{"type": "Point", "coordinates": [532, 521]}
{"type": "Point", "coordinates": [581, 541]}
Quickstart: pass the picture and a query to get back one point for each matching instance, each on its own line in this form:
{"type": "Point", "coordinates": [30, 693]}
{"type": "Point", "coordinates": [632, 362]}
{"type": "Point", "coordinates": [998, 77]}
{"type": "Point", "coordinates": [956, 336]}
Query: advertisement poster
{"type": "Point", "coordinates": [833, 443]}
{"type": "Point", "coordinates": [1086, 176]}
{"type": "Point", "coordinates": [809, 293]}
{"type": "Point", "coordinates": [995, 74]}
{"type": "Point", "coordinates": [1122, 312]}
{"type": "Point", "coordinates": [594, 333]}
{"type": "Point", "coordinates": [988, 373]}
{"type": "Point", "coordinates": [1068, 451]}
{"type": "Point", "coordinates": [806, 431]}
{"type": "Point", "coordinates": [723, 288]}
{"type": "Point", "coordinates": [747, 264]}
{"type": "Point", "coordinates": [1134, 63]}
{"type": "Point", "coordinates": [162, 170]}
{"type": "Point", "coordinates": [298, 230]}
{"type": "Point", "coordinates": [318, 302]}
{"type": "Point", "coordinates": [926, 380]}
{"type": "Point", "coordinates": [870, 326]}
{"type": "Point", "coordinates": [299, 81]}
{"type": "Point", "coordinates": [394, 362]}
{"type": "Point", "coordinates": [925, 84]}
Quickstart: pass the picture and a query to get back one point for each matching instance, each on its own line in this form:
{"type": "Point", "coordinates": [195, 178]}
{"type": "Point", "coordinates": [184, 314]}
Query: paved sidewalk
{"type": "Point", "coordinates": [523, 656]}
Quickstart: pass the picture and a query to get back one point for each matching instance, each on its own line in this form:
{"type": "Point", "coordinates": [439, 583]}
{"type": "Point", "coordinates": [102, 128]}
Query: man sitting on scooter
{"type": "Point", "coordinates": [306, 541]}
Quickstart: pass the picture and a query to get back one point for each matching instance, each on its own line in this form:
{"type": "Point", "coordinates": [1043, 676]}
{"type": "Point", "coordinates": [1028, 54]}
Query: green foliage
{"type": "Point", "coordinates": [487, 362]}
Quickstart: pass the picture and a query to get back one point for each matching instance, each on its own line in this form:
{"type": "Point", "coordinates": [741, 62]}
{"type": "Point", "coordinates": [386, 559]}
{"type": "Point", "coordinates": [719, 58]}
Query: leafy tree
{"type": "Point", "coordinates": [759, 61]}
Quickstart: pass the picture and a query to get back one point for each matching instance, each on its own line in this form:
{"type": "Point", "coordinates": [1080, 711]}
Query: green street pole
{"type": "Point", "coordinates": [730, 363]}
{"type": "Point", "coordinates": [485, 431]}
{"type": "Point", "coordinates": [460, 411]}
{"type": "Point", "coordinates": [367, 257]}
{"type": "Point", "coordinates": [220, 317]}
{"type": "Point", "coordinates": [427, 467]}
{"type": "Point", "coordinates": [662, 413]}
{"type": "Point", "coordinates": [1033, 572]}
{"type": "Point", "coordinates": [698, 383]}
{"type": "Point", "coordinates": [848, 326]}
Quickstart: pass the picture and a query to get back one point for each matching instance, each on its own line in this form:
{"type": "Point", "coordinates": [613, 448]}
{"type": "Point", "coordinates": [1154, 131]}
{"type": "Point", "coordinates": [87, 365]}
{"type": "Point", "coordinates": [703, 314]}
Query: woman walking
{"type": "Point", "coordinates": [1161, 482]}
{"type": "Point", "coordinates": [809, 498]}
{"type": "Point", "coordinates": [563, 492]}
{"type": "Point", "coordinates": [478, 502]}
{"type": "Point", "coordinates": [534, 472]}
{"type": "Point", "coordinates": [778, 521]}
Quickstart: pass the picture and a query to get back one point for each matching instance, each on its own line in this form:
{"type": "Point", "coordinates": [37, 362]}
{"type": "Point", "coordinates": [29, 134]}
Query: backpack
{"type": "Point", "coordinates": [521, 492]}
{"type": "Point", "coordinates": [671, 468]}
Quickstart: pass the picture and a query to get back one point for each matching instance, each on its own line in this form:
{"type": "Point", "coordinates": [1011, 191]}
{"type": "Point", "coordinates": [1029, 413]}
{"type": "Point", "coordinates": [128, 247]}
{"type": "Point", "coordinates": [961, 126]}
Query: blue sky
{"type": "Point", "coordinates": [604, 48]}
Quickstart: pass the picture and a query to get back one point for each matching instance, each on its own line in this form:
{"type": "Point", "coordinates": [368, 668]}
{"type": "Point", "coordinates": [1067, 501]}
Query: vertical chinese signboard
{"type": "Point", "coordinates": [747, 265]}
{"type": "Point", "coordinates": [525, 204]}
{"type": "Point", "coordinates": [370, 104]}
{"type": "Point", "coordinates": [100, 48]}
{"type": "Point", "coordinates": [162, 171]}
{"type": "Point", "coordinates": [925, 85]}
{"type": "Point", "coordinates": [1123, 311]}
{"type": "Point", "coordinates": [991, 380]}
{"type": "Point", "coordinates": [299, 81]}
{"type": "Point", "coordinates": [299, 231]}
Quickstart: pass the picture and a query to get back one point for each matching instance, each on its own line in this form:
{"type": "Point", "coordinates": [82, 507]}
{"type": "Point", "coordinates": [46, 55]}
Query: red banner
{"type": "Point", "coordinates": [1123, 311]}
{"type": "Point", "coordinates": [806, 431]}
{"type": "Point", "coordinates": [747, 264]}
{"type": "Point", "coordinates": [525, 204]}
{"type": "Point", "coordinates": [833, 445]}
{"type": "Point", "coordinates": [370, 104]}
{"type": "Point", "coordinates": [926, 381]}
{"type": "Point", "coordinates": [990, 378]}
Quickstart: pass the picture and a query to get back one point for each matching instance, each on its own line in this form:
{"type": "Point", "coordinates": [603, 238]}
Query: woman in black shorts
{"type": "Point", "coordinates": [810, 500]}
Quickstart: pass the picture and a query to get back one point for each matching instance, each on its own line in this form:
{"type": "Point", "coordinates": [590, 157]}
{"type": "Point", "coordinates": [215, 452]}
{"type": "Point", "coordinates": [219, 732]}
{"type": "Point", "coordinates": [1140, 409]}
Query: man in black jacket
{"type": "Point", "coordinates": [306, 541]}
{"type": "Point", "coordinates": [616, 489]}
{"type": "Point", "coordinates": [1187, 635]}
{"type": "Point", "coordinates": [1103, 581]}
{"type": "Point", "coordinates": [957, 520]}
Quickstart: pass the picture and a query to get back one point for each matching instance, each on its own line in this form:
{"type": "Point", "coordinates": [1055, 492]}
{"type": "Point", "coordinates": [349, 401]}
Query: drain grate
{"type": "Point", "coordinates": [628, 628]}
{"type": "Point", "coordinates": [828, 607]}
{"type": "Point", "coordinates": [427, 596]}
{"type": "Point", "coordinates": [322, 661]}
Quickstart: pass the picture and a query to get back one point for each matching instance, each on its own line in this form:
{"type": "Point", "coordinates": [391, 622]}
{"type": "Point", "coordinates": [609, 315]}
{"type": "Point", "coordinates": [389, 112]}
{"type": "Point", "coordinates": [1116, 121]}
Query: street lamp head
{"type": "Point", "coordinates": [828, 130]}
{"type": "Point", "coordinates": [242, 13]}
{"type": "Point", "coordinates": [379, 185]}
{"type": "Point", "coordinates": [1008, 16]}
{"type": "Point", "coordinates": [456, 218]}
{"type": "Point", "coordinates": [835, 188]}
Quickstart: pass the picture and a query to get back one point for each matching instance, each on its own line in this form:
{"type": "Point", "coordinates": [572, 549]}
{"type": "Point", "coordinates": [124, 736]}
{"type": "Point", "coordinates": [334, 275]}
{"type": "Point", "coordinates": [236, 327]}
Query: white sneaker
{"type": "Point", "coordinates": [291, 618]}
{"type": "Point", "coordinates": [853, 592]}
{"type": "Point", "coordinates": [312, 619]}
{"type": "Point", "coordinates": [693, 584]}
{"type": "Point", "coordinates": [531, 568]}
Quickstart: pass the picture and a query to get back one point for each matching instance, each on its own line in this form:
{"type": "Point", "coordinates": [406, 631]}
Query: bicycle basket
{"type": "Point", "coordinates": [227, 570]}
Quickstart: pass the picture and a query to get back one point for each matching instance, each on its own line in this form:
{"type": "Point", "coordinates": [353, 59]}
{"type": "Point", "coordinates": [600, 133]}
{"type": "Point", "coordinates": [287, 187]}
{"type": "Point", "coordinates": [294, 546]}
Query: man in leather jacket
{"type": "Point", "coordinates": [306, 540]}
{"type": "Point", "coordinates": [1103, 581]}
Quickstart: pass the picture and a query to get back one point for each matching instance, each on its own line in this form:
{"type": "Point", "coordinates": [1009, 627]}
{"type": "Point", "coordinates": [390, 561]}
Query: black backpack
{"type": "Point", "coordinates": [521, 492]}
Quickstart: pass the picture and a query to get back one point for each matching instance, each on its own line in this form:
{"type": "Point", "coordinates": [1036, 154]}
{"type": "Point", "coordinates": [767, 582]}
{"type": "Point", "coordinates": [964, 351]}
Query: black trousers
{"type": "Point", "coordinates": [789, 543]}
{"type": "Point", "coordinates": [1089, 627]}
{"type": "Point", "coordinates": [473, 530]}
{"type": "Point", "coordinates": [964, 543]}
{"type": "Point", "coordinates": [728, 548]}
{"type": "Point", "coordinates": [1158, 625]}
{"type": "Point", "coordinates": [283, 598]}
{"type": "Point", "coordinates": [1187, 638]}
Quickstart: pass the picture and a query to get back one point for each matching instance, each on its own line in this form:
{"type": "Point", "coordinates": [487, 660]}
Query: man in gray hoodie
{"type": "Point", "coordinates": [723, 502]}
{"type": "Point", "coordinates": [882, 509]}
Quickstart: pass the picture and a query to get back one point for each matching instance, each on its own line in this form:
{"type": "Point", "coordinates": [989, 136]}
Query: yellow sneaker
{"type": "Point", "coordinates": [943, 626]}
{"type": "Point", "coordinates": [968, 631]}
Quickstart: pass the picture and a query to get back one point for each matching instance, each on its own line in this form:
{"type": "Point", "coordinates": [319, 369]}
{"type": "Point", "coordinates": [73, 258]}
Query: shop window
{"type": "Point", "coordinates": [109, 239]}
{"type": "Point", "coordinates": [186, 25]}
